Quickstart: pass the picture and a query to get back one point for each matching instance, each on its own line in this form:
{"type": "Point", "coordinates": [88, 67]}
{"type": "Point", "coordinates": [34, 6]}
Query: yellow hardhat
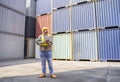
{"type": "Point", "coordinates": [44, 28]}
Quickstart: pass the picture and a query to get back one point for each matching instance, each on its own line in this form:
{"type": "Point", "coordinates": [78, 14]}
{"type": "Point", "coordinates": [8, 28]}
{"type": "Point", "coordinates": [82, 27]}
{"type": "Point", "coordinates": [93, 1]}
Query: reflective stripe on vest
{"type": "Point", "coordinates": [43, 41]}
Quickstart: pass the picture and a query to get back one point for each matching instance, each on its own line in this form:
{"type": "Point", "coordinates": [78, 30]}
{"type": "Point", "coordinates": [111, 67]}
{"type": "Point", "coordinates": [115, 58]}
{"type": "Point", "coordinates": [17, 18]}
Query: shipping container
{"type": "Point", "coordinates": [83, 16]}
{"type": "Point", "coordinates": [29, 48]}
{"type": "Point", "coordinates": [108, 13]}
{"type": "Point", "coordinates": [61, 20]}
{"type": "Point", "coordinates": [61, 46]}
{"type": "Point", "coordinates": [11, 46]}
{"type": "Point", "coordinates": [38, 29]}
{"type": "Point", "coordinates": [31, 8]}
{"type": "Point", "coordinates": [43, 6]}
{"type": "Point", "coordinates": [18, 5]}
{"type": "Point", "coordinates": [30, 27]}
{"type": "Point", "coordinates": [1, 15]}
{"type": "Point", "coordinates": [12, 22]}
{"type": "Point", "coordinates": [43, 21]}
{"type": "Point", "coordinates": [60, 3]}
{"type": "Point", "coordinates": [37, 50]}
{"type": "Point", "coordinates": [79, 1]}
{"type": "Point", "coordinates": [109, 44]}
{"type": "Point", "coordinates": [85, 45]}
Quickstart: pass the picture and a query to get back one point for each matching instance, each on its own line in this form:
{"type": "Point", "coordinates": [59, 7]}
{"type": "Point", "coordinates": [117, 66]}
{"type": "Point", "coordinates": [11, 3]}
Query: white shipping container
{"type": "Point", "coordinates": [37, 50]}
{"type": "Point", "coordinates": [30, 48]}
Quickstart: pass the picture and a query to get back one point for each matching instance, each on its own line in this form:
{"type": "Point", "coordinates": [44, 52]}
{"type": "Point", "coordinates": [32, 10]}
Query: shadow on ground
{"type": "Point", "coordinates": [108, 74]}
{"type": "Point", "coordinates": [17, 62]}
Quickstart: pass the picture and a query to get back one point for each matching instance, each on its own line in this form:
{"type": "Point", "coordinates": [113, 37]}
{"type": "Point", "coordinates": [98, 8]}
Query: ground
{"type": "Point", "coordinates": [66, 71]}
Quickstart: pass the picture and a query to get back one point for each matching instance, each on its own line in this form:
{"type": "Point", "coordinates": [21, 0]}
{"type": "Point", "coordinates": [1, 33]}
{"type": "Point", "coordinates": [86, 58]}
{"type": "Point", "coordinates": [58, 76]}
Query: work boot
{"type": "Point", "coordinates": [53, 76]}
{"type": "Point", "coordinates": [42, 75]}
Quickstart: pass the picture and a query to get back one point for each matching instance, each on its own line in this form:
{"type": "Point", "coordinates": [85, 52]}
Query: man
{"type": "Point", "coordinates": [45, 52]}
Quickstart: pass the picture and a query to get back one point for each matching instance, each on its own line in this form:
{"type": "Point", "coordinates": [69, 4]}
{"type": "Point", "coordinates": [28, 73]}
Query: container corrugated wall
{"type": "Point", "coordinates": [38, 29]}
{"type": "Point", "coordinates": [109, 44]}
{"type": "Point", "coordinates": [43, 6]}
{"type": "Point", "coordinates": [12, 29]}
{"type": "Point", "coordinates": [11, 46]}
{"type": "Point", "coordinates": [60, 3]}
{"type": "Point", "coordinates": [78, 1]}
{"type": "Point", "coordinates": [31, 8]}
{"type": "Point", "coordinates": [108, 13]}
{"type": "Point", "coordinates": [15, 4]}
{"type": "Point", "coordinates": [85, 45]}
{"type": "Point", "coordinates": [43, 21]}
{"type": "Point", "coordinates": [61, 46]}
{"type": "Point", "coordinates": [12, 22]}
{"type": "Point", "coordinates": [61, 20]}
{"type": "Point", "coordinates": [83, 16]}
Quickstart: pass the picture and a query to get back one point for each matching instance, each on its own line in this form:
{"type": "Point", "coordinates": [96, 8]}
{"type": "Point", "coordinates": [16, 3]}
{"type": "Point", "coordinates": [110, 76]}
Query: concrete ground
{"type": "Point", "coordinates": [66, 71]}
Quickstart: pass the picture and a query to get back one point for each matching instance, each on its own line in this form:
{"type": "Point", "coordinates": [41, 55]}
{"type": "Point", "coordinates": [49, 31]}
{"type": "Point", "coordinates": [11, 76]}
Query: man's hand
{"type": "Point", "coordinates": [48, 42]}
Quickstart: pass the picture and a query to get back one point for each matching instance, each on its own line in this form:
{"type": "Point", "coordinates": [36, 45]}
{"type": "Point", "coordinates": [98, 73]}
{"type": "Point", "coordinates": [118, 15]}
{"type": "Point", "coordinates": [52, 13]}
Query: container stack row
{"type": "Point", "coordinates": [43, 19]}
{"type": "Point", "coordinates": [85, 29]}
{"type": "Point", "coordinates": [30, 29]}
{"type": "Point", "coordinates": [12, 29]}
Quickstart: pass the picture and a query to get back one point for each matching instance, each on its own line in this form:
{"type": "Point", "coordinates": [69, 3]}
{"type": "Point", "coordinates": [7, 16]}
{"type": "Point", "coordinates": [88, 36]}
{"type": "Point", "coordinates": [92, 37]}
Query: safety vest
{"type": "Point", "coordinates": [43, 41]}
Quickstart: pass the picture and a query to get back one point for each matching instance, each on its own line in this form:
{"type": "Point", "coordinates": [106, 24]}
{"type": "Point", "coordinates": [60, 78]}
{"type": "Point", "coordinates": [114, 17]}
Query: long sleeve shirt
{"type": "Point", "coordinates": [44, 48]}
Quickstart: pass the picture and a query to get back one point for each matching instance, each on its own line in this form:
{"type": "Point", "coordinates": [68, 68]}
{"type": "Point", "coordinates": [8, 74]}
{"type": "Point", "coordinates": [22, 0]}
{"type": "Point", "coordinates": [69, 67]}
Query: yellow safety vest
{"type": "Point", "coordinates": [43, 41]}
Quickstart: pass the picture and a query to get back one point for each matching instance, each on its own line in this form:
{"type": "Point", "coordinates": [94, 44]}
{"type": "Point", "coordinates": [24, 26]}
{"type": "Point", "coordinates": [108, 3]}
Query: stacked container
{"type": "Point", "coordinates": [85, 29]}
{"type": "Point", "coordinates": [108, 21]}
{"type": "Point", "coordinates": [84, 33]}
{"type": "Point", "coordinates": [61, 30]}
{"type": "Point", "coordinates": [43, 19]}
{"type": "Point", "coordinates": [12, 28]}
{"type": "Point", "coordinates": [30, 28]}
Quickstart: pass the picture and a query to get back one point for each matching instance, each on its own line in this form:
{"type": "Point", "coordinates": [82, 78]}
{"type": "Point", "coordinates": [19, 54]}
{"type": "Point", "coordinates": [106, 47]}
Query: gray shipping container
{"type": "Point", "coordinates": [60, 3]}
{"type": "Point", "coordinates": [83, 16]}
{"type": "Point", "coordinates": [18, 5]}
{"type": "Point", "coordinates": [85, 45]}
{"type": "Point", "coordinates": [11, 21]}
{"type": "Point", "coordinates": [31, 8]}
{"type": "Point", "coordinates": [61, 20]}
{"type": "Point", "coordinates": [79, 1]}
{"type": "Point", "coordinates": [11, 46]}
{"type": "Point", "coordinates": [43, 6]}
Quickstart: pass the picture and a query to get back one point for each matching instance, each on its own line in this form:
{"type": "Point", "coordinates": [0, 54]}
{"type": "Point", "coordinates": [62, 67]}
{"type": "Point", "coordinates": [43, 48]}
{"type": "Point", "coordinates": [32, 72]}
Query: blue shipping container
{"type": "Point", "coordinates": [60, 3]}
{"type": "Point", "coordinates": [85, 45]}
{"type": "Point", "coordinates": [61, 20]}
{"type": "Point", "coordinates": [108, 13]}
{"type": "Point", "coordinates": [83, 16]}
{"type": "Point", "coordinates": [109, 44]}
{"type": "Point", "coordinates": [43, 6]}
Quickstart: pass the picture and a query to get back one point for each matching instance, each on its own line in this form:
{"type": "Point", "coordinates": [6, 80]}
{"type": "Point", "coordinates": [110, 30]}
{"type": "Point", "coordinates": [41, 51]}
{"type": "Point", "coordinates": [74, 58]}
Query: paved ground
{"type": "Point", "coordinates": [66, 71]}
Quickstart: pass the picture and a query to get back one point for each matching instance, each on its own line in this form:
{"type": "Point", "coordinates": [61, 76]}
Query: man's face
{"type": "Point", "coordinates": [45, 31]}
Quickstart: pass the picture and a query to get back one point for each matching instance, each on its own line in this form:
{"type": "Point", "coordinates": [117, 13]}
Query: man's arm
{"type": "Point", "coordinates": [50, 40]}
{"type": "Point", "coordinates": [38, 41]}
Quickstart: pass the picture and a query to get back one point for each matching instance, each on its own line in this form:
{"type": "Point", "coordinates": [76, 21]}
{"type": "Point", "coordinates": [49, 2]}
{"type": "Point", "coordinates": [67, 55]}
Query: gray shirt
{"type": "Point", "coordinates": [39, 41]}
